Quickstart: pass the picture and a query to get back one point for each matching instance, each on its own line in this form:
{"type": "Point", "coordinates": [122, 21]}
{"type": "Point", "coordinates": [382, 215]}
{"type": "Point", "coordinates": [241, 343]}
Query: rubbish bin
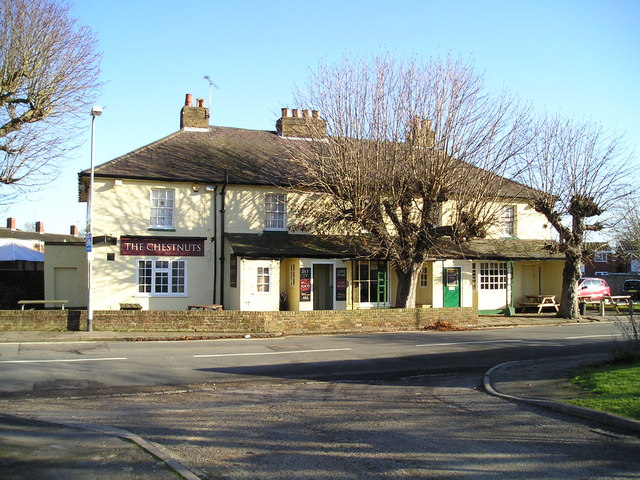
{"type": "Point", "coordinates": [583, 308]}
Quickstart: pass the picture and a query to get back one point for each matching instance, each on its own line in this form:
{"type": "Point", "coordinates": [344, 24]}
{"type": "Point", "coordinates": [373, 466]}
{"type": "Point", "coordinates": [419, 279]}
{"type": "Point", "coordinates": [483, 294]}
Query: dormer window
{"type": "Point", "coordinates": [275, 206]}
{"type": "Point", "coordinates": [162, 202]}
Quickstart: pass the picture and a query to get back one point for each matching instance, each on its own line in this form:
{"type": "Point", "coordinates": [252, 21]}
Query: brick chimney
{"type": "Point", "coordinates": [296, 123]}
{"type": "Point", "coordinates": [39, 227]}
{"type": "Point", "coordinates": [73, 231]}
{"type": "Point", "coordinates": [11, 223]}
{"type": "Point", "coordinates": [194, 117]}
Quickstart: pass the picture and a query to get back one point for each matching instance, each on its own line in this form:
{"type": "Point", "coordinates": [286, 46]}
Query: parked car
{"type": "Point", "coordinates": [594, 288]}
{"type": "Point", "coordinates": [631, 288]}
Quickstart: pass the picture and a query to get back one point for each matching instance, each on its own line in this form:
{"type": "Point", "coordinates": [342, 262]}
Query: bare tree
{"type": "Point", "coordinates": [627, 233]}
{"type": "Point", "coordinates": [579, 173]}
{"type": "Point", "coordinates": [49, 71]}
{"type": "Point", "coordinates": [414, 152]}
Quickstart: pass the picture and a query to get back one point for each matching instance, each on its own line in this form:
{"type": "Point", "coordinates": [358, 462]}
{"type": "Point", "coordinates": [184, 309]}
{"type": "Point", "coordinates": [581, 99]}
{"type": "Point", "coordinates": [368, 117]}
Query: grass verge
{"type": "Point", "coordinates": [613, 388]}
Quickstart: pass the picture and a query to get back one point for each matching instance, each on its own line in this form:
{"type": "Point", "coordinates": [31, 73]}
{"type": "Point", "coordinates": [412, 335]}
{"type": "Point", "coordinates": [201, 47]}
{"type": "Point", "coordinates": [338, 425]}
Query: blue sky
{"type": "Point", "coordinates": [578, 57]}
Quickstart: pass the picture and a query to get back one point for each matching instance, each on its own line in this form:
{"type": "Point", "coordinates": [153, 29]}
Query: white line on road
{"type": "Point", "coordinates": [589, 336]}
{"type": "Point", "coordinates": [272, 353]}
{"type": "Point", "coordinates": [65, 361]}
{"type": "Point", "coordinates": [468, 343]}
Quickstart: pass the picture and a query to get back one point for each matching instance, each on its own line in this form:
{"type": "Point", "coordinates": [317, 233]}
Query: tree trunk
{"type": "Point", "coordinates": [407, 284]}
{"type": "Point", "coordinates": [569, 307]}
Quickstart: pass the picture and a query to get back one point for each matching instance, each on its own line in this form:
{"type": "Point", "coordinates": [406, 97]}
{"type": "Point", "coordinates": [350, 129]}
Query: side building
{"type": "Point", "coordinates": [201, 217]}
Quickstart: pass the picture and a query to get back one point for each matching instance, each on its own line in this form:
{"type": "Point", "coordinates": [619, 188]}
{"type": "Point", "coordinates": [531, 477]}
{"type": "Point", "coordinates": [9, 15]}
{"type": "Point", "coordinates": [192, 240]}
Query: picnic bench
{"type": "Point", "coordinates": [24, 303]}
{"type": "Point", "coordinates": [205, 307]}
{"type": "Point", "coordinates": [540, 302]}
{"type": "Point", "coordinates": [616, 300]}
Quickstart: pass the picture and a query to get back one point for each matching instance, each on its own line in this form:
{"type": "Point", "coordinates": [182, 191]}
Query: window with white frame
{"type": "Point", "coordinates": [162, 277]}
{"type": "Point", "coordinates": [275, 207]}
{"type": "Point", "coordinates": [600, 257]}
{"type": "Point", "coordinates": [508, 221]}
{"type": "Point", "coordinates": [493, 275]}
{"type": "Point", "coordinates": [162, 202]}
{"type": "Point", "coordinates": [424, 277]}
{"type": "Point", "coordinates": [263, 279]}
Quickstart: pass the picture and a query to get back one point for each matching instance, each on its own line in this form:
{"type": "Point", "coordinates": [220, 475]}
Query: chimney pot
{"type": "Point", "coordinates": [306, 113]}
{"type": "Point", "coordinates": [315, 113]}
{"type": "Point", "coordinates": [296, 113]}
{"type": "Point", "coordinates": [201, 103]}
{"type": "Point", "coordinates": [188, 100]}
{"type": "Point", "coordinates": [73, 231]}
{"type": "Point", "coordinates": [39, 227]}
{"type": "Point", "coordinates": [286, 112]}
{"type": "Point", "coordinates": [11, 223]}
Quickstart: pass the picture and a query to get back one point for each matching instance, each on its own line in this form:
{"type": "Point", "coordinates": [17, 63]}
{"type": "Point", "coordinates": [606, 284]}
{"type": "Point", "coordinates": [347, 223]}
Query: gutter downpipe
{"type": "Point", "coordinates": [222, 198]}
{"type": "Point", "coordinates": [215, 241]}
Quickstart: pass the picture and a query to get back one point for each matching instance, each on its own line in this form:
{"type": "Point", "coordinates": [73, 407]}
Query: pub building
{"type": "Point", "coordinates": [200, 217]}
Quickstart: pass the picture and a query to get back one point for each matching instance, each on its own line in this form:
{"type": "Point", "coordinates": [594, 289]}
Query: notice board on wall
{"type": "Point", "coordinates": [305, 284]}
{"type": "Point", "coordinates": [341, 284]}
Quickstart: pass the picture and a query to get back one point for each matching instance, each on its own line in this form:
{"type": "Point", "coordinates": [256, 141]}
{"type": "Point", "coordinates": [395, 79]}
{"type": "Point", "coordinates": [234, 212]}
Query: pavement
{"type": "Point", "coordinates": [31, 448]}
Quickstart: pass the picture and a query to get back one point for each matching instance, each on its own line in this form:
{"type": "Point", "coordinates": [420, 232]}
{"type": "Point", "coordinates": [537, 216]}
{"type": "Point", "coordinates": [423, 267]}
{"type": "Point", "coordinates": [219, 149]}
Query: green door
{"type": "Point", "coordinates": [452, 286]}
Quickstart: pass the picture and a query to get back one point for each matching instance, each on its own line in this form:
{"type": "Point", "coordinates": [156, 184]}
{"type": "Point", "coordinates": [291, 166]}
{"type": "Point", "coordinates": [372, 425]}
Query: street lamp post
{"type": "Point", "coordinates": [95, 112]}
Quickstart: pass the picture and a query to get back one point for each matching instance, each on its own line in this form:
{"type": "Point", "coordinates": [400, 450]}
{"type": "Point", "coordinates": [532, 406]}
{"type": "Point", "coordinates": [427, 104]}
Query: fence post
{"type": "Point", "coordinates": [601, 308]}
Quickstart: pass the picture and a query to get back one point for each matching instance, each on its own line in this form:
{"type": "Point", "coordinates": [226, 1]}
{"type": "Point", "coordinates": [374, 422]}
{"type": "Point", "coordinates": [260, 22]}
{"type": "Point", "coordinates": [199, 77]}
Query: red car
{"type": "Point", "coordinates": [594, 288]}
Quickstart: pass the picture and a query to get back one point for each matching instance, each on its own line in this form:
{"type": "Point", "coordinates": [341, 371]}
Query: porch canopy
{"type": "Point", "coordinates": [12, 252]}
{"type": "Point", "coordinates": [284, 245]}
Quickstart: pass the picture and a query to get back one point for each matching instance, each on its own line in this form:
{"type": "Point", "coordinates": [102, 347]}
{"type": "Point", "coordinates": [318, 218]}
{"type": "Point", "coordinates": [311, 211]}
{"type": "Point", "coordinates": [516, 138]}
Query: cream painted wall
{"type": "Point", "coordinates": [65, 274]}
{"type": "Point", "coordinates": [115, 282]}
{"type": "Point", "coordinates": [424, 295]}
{"type": "Point", "coordinates": [124, 209]}
{"type": "Point", "coordinates": [530, 225]}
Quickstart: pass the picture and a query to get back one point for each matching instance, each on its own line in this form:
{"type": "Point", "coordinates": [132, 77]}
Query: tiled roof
{"type": "Point", "coordinates": [249, 157]}
{"type": "Point", "coordinates": [7, 233]}
{"type": "Point", "coordinates": [246, 157]}
{"type": "Point", "coordinates": [269, 245]}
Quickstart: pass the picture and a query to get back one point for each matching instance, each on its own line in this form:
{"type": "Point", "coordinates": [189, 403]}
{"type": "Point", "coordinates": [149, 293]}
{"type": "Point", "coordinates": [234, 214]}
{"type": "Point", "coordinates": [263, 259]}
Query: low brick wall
{"type": "Point", "coordinates": [228, 321]}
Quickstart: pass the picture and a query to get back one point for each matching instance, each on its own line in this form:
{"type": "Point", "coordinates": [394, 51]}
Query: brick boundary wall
{"type": "Point", "coordinates": [236, 322]}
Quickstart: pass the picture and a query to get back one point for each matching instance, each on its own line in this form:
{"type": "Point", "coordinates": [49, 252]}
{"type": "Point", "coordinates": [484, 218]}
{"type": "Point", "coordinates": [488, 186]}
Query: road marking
{"type": "Point", "coordinates": [589, 336]}
{"type": "Point", "coordinates": [49, 343]}
{"type": "Point", "coordinates": [468, 343]}
{"type": "Point", "coordinates": [65, 361]}
{"type": "Point", "coordinates": [257, 354]}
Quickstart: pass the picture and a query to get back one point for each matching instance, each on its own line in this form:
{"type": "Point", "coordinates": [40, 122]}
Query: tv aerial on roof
{"type": "Point", "coordinates": [208, 79]}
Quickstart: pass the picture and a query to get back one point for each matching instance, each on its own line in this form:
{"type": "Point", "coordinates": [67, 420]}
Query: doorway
{"type": "Point", "coordinates": [322, 286]}
{"type": "Point", "coordinates": [452, 286]}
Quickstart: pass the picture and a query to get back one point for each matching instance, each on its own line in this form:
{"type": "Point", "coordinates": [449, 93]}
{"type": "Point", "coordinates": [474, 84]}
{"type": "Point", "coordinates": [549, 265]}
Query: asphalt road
{"type": "Point", "coordinates": [79, 366]}
{"type": "Point", "coordinates": [337, 407]}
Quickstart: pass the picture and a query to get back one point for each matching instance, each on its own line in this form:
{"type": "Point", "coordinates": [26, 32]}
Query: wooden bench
{"type": "Point", "coordinates": [130, 306]}
{"type": "Point", "coordinates": [23, 303]}
{"type": "Point", "coordinates": [204, 307]}
{"type": "Point", "coordinates": [616, 300]}
{"type": "Point", "coordinates": [539, 302]}
{"type": "Point", "coordinates": [539, 306]}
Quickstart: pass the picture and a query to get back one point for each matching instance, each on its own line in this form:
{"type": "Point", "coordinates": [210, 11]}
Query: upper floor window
{"type": "Point", "coordinates": [508, 221]}
{"type": "Point", "coordinates": [162, 202]}
{"type": "Point", "coordinates": [600, 257]}
{"type": "Point", "coordinates": [275, 207]}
